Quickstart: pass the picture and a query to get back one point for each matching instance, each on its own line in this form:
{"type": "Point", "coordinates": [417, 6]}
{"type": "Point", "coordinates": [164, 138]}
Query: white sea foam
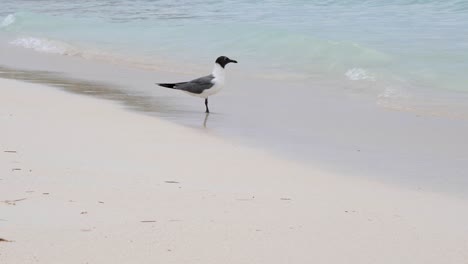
{"type": "Point", "coordinates": [45, 45]}
{"type": "Point", "coordinates": [357, 74]}
{"type": "Point", "coordinates": [57, 47]}
{"type": "Point", "coordinates": [395, 98]}
{"type": "Point", "coordinates": [8, 20]}
{"type": "Point", "coordinates": [390, 93]}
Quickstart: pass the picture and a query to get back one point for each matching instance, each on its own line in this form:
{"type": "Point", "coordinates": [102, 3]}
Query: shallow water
{"type": "Point", "coordinates": [404, 46]}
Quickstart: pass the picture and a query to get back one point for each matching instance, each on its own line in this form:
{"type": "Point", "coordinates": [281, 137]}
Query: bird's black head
{"type": "Point", "coordinates": [223, 60]}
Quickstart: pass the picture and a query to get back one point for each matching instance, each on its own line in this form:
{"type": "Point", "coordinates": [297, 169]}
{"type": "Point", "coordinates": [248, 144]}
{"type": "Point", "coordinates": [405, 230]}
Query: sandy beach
{"type": "Point", "coordinates": [85, 181]}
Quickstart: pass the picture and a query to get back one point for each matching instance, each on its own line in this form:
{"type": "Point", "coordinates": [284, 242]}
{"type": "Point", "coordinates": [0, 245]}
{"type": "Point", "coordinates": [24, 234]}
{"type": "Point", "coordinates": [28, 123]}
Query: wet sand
{"type": "Point", "coordinates": [85, 181]}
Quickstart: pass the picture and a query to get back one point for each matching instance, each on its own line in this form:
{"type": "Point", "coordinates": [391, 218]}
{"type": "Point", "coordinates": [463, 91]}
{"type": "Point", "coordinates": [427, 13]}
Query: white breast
{"type": "Point", "coordinates": [218, 81]}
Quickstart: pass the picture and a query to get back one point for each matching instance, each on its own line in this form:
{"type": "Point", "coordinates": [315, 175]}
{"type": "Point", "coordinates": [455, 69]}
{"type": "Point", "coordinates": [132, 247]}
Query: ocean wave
{"type": "Point", "coordinates": [61, 48]}
{"type": "Point", "coordinates": [45, 45]}
{"type": "Point", "coordinates": [8, 20]}
{"type": "Point", "coordinates": [276, 48]}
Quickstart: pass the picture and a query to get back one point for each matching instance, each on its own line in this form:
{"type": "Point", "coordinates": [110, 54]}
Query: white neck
{"type": "Point", "coordinates": [218, 72]}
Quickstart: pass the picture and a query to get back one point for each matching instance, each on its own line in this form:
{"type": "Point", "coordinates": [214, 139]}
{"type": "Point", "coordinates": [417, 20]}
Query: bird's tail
{"type": "Point", "coordinates": [169, 85]}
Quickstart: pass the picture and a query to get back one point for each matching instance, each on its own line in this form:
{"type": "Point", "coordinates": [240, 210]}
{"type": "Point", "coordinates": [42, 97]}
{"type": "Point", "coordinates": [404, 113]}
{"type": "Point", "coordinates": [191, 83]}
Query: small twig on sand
{"type": "Point", "coordinates": [4, 240]}
{"type": "Point", "coordinates": [10, 151]}
{"type": "Point", "coordinates": [148, 221]}
{"type": "Point", "coordinates": [171, 182]}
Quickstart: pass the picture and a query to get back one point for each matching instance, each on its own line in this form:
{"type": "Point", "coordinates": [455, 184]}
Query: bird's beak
{"type": "Point", "coordinates": [234, 61]}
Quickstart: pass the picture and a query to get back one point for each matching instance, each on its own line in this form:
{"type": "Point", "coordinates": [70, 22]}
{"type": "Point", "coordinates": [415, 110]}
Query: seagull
{"type": "Point", "coordinates": [204, 86]}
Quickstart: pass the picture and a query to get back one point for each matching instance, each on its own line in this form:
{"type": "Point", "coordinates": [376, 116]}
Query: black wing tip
{"type": "Point", "coordinates": [167, 85]}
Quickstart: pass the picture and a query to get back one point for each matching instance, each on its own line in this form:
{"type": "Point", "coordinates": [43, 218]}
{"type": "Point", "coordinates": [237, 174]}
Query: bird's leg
{"type": "Point", "coordinates": [206, 105]}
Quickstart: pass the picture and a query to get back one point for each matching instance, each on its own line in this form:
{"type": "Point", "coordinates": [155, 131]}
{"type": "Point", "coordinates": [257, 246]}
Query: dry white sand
{"type": "Point", "coordinates": [84, 181]}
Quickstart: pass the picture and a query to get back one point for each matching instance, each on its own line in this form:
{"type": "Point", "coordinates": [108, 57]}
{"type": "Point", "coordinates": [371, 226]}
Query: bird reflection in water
{"type": "Point", "coordinates": [206, 119]}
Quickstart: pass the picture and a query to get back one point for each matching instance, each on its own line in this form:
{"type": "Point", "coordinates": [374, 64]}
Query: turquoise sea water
{"type": "Point", "coordinates": [397, 45]}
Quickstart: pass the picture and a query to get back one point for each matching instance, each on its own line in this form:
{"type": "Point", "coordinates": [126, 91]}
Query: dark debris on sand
{"type": "Point", "coordinates": [171, 182]}
{"type": "Point", "coordinates": [13, 202]}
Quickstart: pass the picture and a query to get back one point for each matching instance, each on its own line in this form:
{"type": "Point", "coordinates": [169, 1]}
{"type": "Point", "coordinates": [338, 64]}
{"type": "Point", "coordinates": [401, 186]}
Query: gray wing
{"type": "Point", "coordinates": [196, 86]}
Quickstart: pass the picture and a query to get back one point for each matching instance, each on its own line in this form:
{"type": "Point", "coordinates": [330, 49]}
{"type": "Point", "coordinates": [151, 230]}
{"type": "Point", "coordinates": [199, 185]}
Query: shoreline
{"type": "Point", "coordinates": [334, 130]}
{"type": "Point", "coordinates": [105, 185]}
